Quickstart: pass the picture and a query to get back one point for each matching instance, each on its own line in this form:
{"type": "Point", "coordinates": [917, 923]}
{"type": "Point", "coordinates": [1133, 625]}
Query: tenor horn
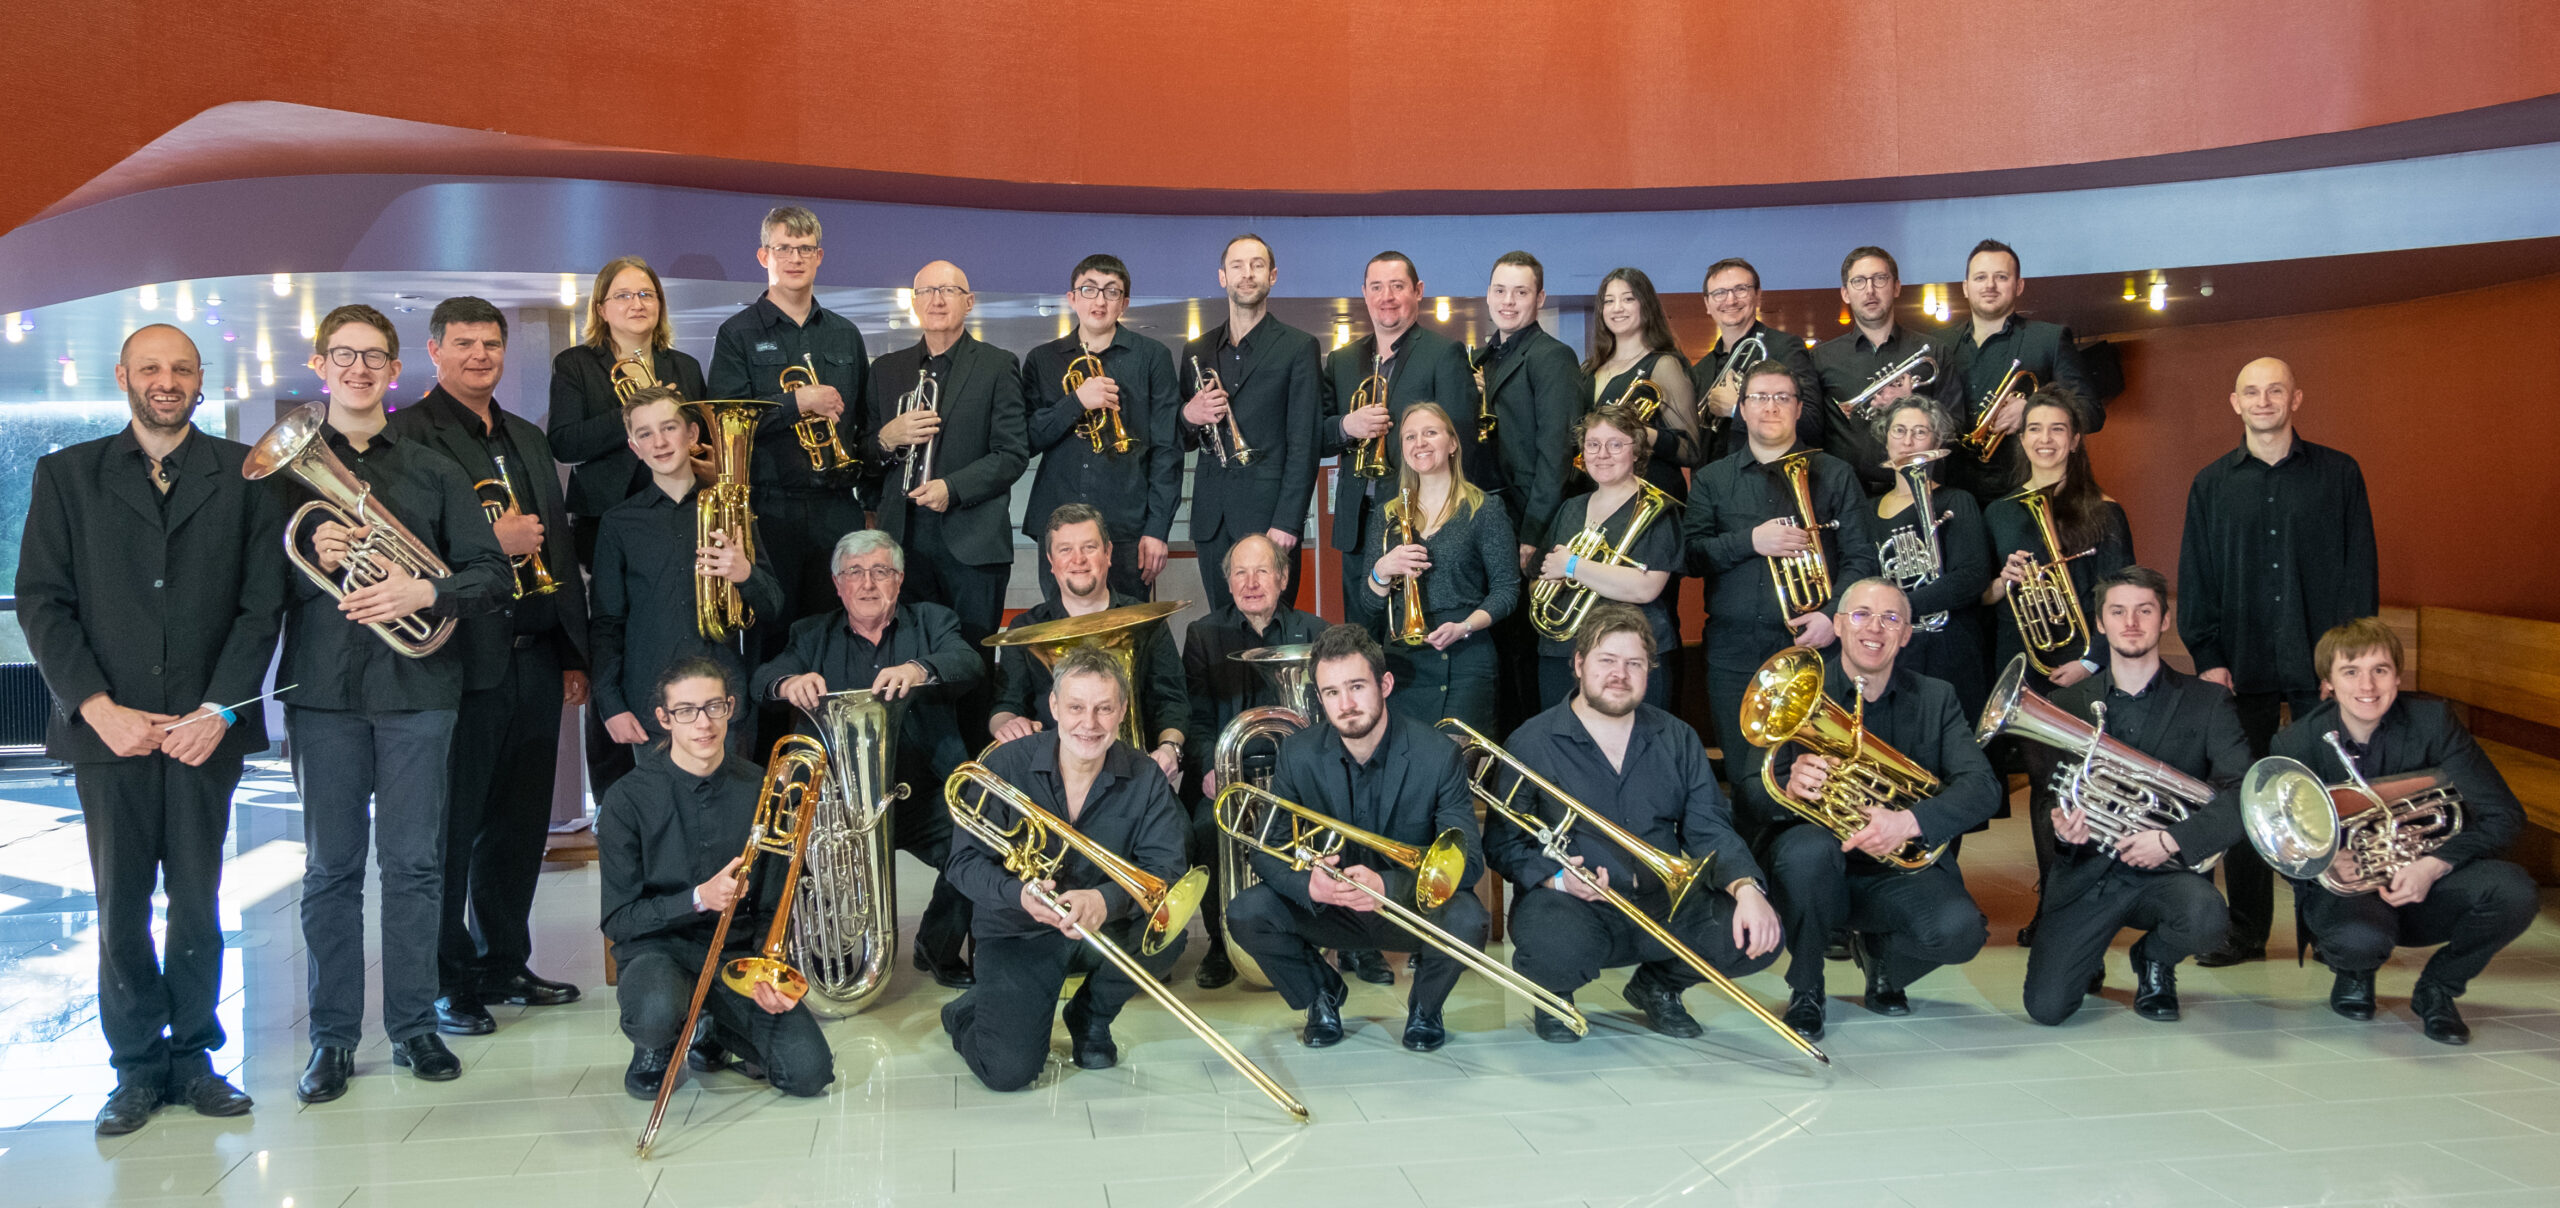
{"type": "Point", "coordinates": [1557, 606]}
{"type": "Point", "coordinates": [2046, 606]}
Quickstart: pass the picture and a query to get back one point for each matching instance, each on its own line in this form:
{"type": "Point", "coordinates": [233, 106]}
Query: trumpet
{"type": "Point", "coordinates": [1034, 846]}
{"type": "Point", "coordinates": [1920, 367]}
{"type": "Point", "coordinates": [817, 433]}
{"type": "Point", "coordinates": [725, 508]}
{"type": "Point", "coordinates": [497, 498]}
{"type": "Point", "coordinates": [1484, 402]}
{"type": "Point", "coordinates": [916, 461]}
{"type": "Point", "coordinates": [632, 373]}
{"type": "Point", "coordinates": [294, 444]}
{"type": "Point", "coordinates": [1086, 367]}
{"type": "Point", "coordinates": [1678, 874]}
{"type": "Point", "coordinates": [2354, 837]}
{"type": "Point", "coordinates": [1369, 455]}
{"type": "Point", "coordinates": [1311, 837]}
{"type": "Point", "coordinates": [2047, 606]}
{"type": "Point", "coordinates": [1231, 446]}
{"type": "Point", "coordinates": [1785, 704]}
{"type": "Point", "coordinates": [2121, 791]}
{"type": "Point", "coordinates": [1803, 578]}
{"type": "Point", "coordinates": [794, 779]}
{"type": "Point", "coordinates": [1984, 439]}
{"type": "Point", "coordinates": [1912, 557]}
{"type": "Point", "coordinates": [1288, 670]}
{"type": "Point", "coordinates": [1405, 616]}
{"type": "Point", "coordinates": [1557, 606]}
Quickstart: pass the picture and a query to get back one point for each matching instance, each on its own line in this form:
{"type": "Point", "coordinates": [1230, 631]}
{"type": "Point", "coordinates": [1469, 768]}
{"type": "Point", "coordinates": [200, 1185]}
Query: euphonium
{"type": "Point", "coordinates": [2354, 837]}
{"type": "Point", "coordinates": [1231, 445]}
{"type": "Point", "coordinates": [1920, 367]}
{"type": "Point", "coordinates": [725, 510]}
{"type": "Point", "coordinates": [1086, 367]}
{"type": "Point", "coordinates": [1114, 630]}
{"type": "Point", "coordinates": [1289, 672]}
{"type": "Point", "coordinates": [1369, 455]}
{"type": "Point", "coordinates": [497, 498]}
{"type": "Point", "coordinates": [1678, 874]}
{"type": "Point", "coordinates": [844, 935]}
{"type": "Point", "coordinates": [1785, 704]}
{"type": "Point", "coordinates": [1803, 578]}
{"type": "Point", "coordinates": [1984, 439]}
{"type": "Point", "coordinates": [294, 444]}
{"type": "Point", "coordinates": [1405, 617]}
{"type": "Point", "coordinates": [632, 373]}
{"type": "Point", "coordinates": [2121, 791]}
{"type": "Point", "coordinates": [2047, 606]}
{"type": "Point", "coordinates": [1557, 606]}
{"type": "Point", "coordinates": [817, 433]}
{"type": "Point", "coordinates": [1911, 557]}
{"type": "Point", "coordinates": [916, 461]}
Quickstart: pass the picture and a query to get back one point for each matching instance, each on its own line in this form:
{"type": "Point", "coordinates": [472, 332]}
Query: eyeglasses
{"type": "Point", "coordinates": [1771, 399]}
{"type": "Point", "coordinates": [1731, 292]}
{"type": "Point", "coordinates": [1089, 291]}
{"type": "Point", "coordinates": [877, 574]}
{"type": "Point", "coordinates": [718, 710]}
{"type": "Point", "coordinates": [373, 358]}
{"type": "Point", "coordinates": [1873, 281]}
{"type": "Point", "coordinates": [943, 291]}
{"type": "Point", "coordinates": [1606, 448]}
{"type": "Point", "coordinates": [1863, 617]}
{"type": "Point", "coordinates": [631, 297]}
{"type": "Point", "coordinates": [794, 251]}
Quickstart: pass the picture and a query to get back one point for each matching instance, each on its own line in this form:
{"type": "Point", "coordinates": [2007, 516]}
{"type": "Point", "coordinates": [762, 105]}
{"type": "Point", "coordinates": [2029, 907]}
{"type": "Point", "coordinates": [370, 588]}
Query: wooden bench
{"type": "Point", "coordinates": [2502, 675]}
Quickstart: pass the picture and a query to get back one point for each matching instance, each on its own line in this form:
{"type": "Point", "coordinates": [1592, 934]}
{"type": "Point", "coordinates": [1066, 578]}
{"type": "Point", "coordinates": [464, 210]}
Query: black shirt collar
{"type": "Point", "coordinates": [440, 403]}
{"type": "Point", "coordinates": [2240, 458]}
{"type": "Point", "coordinates": [1378, 759]}
{"type": "Point", "coordinates": [772, 314]}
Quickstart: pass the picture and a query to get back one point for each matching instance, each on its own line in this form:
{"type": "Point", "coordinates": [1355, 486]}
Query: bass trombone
{"type": "Point", "coordinates": [817, 433]}
{"type": "Point", "coordinates": [1086, 367]}
{"type": "Point", "coordinates": [1786, 705]}
{"type": "Point", "coordinates": [294, 445]}
{"type": "Point", "coordinates": [2121, 791]}
{"type": "Point", "coordinates": [1984, 439]}
{"type": "Point", "coordinates": [1557, 606]}
{"type": "Point", "coordinates": [1369, 454]}
{"type": "Point", "coordinates": [1678, 874]}
{"type": "Point", "coordinates": [497, 498]}
{"type": "Point", "coordinates": [1037, 843]}
{"type": "Point", "coordinates": [2046, 606]}
{"type": "Point", "coordinates": [1248, 812]}
{"type": "Point", "coordinates": [844, 934]}
{"type": "Point", "coordinates": [1230, 447]}
{"type": "Point", "coordinates": [1803, 578]}
{"type": "Point", "coordinates": [2354, 837]}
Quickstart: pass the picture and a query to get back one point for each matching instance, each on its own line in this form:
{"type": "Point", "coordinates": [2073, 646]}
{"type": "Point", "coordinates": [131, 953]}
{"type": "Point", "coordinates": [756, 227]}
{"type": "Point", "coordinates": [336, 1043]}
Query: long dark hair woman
{"type": "Point", "coordinates": [1633, 344]}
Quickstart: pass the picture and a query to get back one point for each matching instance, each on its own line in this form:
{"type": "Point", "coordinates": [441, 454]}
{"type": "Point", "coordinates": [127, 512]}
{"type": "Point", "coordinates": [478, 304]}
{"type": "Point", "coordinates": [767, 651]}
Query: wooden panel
{"type": "Point", "coordinates": [2502, 663]}
{"type": "Point", "coordinates": [2404, 622]}
{"type": "Point", "coordinates": [2536, 781]}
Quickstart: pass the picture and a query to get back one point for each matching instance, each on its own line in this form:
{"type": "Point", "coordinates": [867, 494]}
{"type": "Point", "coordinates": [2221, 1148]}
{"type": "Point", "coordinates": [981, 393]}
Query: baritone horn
{"type": "Point", "coordinates": [1230, 446]}
{"type": "Point", "coordinates": [497, 498]}
{"type": "Point", "coordinates": [844, 933]}
{"type": "Point", "coordinates": [1369, 455]}
{"type": "Point", "coordinates": [2120, 791]}
{"type": "Point", "coordinates": [1678, 874]}
{"type": "Point", "coordinates": [294, 445]}
{"type": "Point", "coordinates": [1803, 578]}
{"type": "Point", "coordinates": [1086, 367]}
{"type": "Point", "coordinates": [2046, 606]}
{"type": "Point", "coordinates": [726, 510]}
{"type": "Point", "coordinates": [1984, 439]}
{"type": "Point", "coordinates": [817, 433]}
{"type": "Point", "coordinates": [2354, 837]}
{"type": "Point", "coordinates": [1785, 706]}
{"type": "Point", "coordinates": [1557, 606]}
{"type": "Point", "coordinates": [1289, 671]}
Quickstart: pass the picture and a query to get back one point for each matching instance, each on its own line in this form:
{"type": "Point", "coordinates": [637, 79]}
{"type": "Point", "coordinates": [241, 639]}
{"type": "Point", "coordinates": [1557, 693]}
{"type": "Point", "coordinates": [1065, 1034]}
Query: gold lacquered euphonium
{"type": "Point", "coordinates": [2354, 837]}
{"type": "Point", "coordinates": [1984, 439]}
{"type": "Point", "coordinates": [1290, 672]}
{"type": "Point", "coordinates": [817, 433]}
{"type": "Point", "coordinates": [845, 933]}
{"type": "Point", "coordinates": [497, 498]}
{"type": "Point", "coordinates": [1803, 578]}
{"type": "Point", "coordinates": [1678, 874]}
{"type": "Point", "coordinates": [1557, 606]}
{"type": "Point", "coordinates": [1113, 630]}
{"type": "Point", "coordinates": [1249, 812]}
{"type": "Point", "coordinates": [632, 373]}
{"type": "Point", "coordinates": [1037, 843]}
{"type": "Point", "coordinates": [1086, 367]}
{"type": "Point", "coordinates": [1786, 705]}
{"type": "Point", "coordinates": [294, 445]}
{"type": "Point", "coordinates": [725, 512]}
{"type": "Point", "coordinates": [2047, 606]}
{"type": "Point", "coordinates": [2120, 791]}
{"type": "Point", "coordinates": [1369, 455]}
{"type": "Point", "coordinates": [1231, 445]}
{"type": "Point", "coordinates": [1406, 622]}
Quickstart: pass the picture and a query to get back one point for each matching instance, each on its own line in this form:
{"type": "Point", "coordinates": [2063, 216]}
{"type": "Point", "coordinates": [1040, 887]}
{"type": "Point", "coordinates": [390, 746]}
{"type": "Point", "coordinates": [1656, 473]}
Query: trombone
{"type": "Point", "coordinates": [1369, 456]}
{"type": "Point", "coordinates": [1678, 874]}
{"type": "Point", "coordinates": [1086, 367]}
{"type": "Point", "coordinates": [1312, 836]}
{"type": "Point", "coordinates": [817, 433]}
{"type": "Point", "coordinates": [1984, 439]}
{"type": "Point", "coordinates": [1231, 445]}
{"type": "Point", "coordinates": [1026, 846]}
{"type": "Point", "coordinates": [532, 574]}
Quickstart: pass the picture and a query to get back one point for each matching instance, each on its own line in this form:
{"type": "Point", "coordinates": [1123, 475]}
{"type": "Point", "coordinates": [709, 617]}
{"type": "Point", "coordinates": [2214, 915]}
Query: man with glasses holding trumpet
{"type": "Point", "coordinates": [1252, 395]}
{"type": "Point", "coordinates": [1101, 419]}
{"type": "Point", "coordinates": [1865, 370]}
{"type": "Point", "coordinates": [1743, 341]}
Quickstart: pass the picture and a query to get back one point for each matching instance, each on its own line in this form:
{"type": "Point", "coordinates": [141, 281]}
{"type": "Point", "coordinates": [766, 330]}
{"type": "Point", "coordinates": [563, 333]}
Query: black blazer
{"type": "Point", "coordinates": [1429, 368]}
{"type": "Point", "coordinates": [1420, 791]}
{"type": "Point", "coordinates": [586, 423]}
{"type": "Point", "coordinates": [1277, 395]}
{"type": "Point", "coordinates": [983, 447]}
{"type": "Point", "coordinates": [2198, 734]}
{"type": "Point", "coordinates": [161, 610]}
{"type": "Point", "coordinates": [1969, 371]}
{"type": "Point", "coordinates": [438, 422]}
{"type": "Point", "coordinates": [1536, 392]}
{"type": "Point", "coordinates": [2415, 734]}
{"type": "Point", "coordinates": [1725, 435]}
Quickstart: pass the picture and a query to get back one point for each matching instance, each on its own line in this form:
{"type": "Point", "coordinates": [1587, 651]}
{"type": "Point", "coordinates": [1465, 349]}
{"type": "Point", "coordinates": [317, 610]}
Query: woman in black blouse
{"type": "Point", "coordinates": [1469, 563]}
{"type": "Point", "coordinates": [1634, 344]}
{"type": "Point", "coordinates": [626, 313]}
{"type": "Point", "coordinates": [1946, 598]}
{"type": "Point", "coordinates": [1613, 443]}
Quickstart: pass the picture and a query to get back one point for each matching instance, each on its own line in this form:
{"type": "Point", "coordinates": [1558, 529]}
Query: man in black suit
{"type": "Point", "coordinates": [1420, 366]}
{"type": "Point", "coordinates": [1732, 289]}
{"type": "Point", "coordinates": [1534, 390]}
{"type": "Point", "coordinates": [150, 586]}
{"type": "Point", "coordinates": [1138, 490]}
{"type": "Point", "coordinates": [524, 663]}
{"type": "Point", "coordinates": [2148, 880]}
{"type": "Point", "coordinates": [1980, 354]}
{"type": "Point", "coordinates": [1263, 377]}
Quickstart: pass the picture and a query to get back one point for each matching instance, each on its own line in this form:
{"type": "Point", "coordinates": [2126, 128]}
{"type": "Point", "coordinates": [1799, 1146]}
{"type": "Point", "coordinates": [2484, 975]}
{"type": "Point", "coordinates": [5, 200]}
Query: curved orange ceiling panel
{"type": "Point", "coordinates": [1321, 97]}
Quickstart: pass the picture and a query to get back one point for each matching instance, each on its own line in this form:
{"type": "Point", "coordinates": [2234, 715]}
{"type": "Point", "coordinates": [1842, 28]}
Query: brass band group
{"type": "Point", "coordinates": [776, 588]}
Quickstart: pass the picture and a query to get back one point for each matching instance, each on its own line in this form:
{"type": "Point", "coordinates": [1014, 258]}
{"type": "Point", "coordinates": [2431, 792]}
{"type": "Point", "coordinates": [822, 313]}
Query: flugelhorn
{"type": "Point", "coordinates": [1036, 843]}
{"type": "Point", "coordinates": [1369, 454]}
{"type": "Point", "coordinates": [631, 373]}
{"type": "Point", "coordinates": [844, 933]}
{"type": "Point", "coordinates": [1920, 367]}
{"type": "Point", "coordinates": [1678, 874]}
{"type": "Point", "coordinates": [1113, 630]}
{"type": "Point", "coordinates": [2121, 791]}
{"type": "Point", "coordinates": [294, 445]}
{"type": "Point", "coordinates": [1643, 399]}
{"type": "Point", "coordinates": [817, 433]}
{"type": "Point", "coordinates": [725, 508]}
{"type": "Point", "coordinates": [1751, 351]}
{"type": "Point", "coordinates": [1290, 672]}
{"type": "Point", "coordinates": [1086, 367]}
{"type": "Point", "coordinates": [2354, 837]}
{"type": "Point", "coordinates": [915, 467]}
{"type": "Point", "coordinates": [1802, 579]}
{"type": "Point", "coordinates": [1557, 606]}
{"type": "Point", "coordinates": [1984, 439]}
{"type": "Point", "coordinates": [1405, 615]}
{"type": "Point", "coordinates": [1785, 705]}
{"type": "Point", "coordinates": [497, 498]}
{"type": "Point", "coordinates": [1912, 557]}
{"type": "Point", "coordinates": [2046, 606]}
{"type": "Point", "coordinates": [1231, 446]}
{"type": "Point", "coordinates": [1249, 812]}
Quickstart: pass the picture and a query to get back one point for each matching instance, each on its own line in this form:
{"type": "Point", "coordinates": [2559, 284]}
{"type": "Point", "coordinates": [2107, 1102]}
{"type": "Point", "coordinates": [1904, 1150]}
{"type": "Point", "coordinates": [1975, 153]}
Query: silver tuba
{"type": "Point", "coordinates": [1291, 675]}
{"type": "Point", "coordinates": [1911, 557]}
{"type": "Point", "coordinates": [2121, 791]}
{"type": "Point", "coordinates": [2350, 837]}
{"type": "Point", "coordinates": [844, 924]}
{"type": "Point", "coordinates": [916, 461]}
{"type": "Point", "coordinates": [294, 444]}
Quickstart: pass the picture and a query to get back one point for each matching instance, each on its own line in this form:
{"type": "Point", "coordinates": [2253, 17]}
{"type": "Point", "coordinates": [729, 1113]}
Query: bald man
{"type": "Point", "coordinates": [2278, 550]}
{"type": "Point", "coordinates": [151, 584]}
{"type": "Point", "coordinates": [971, 447]}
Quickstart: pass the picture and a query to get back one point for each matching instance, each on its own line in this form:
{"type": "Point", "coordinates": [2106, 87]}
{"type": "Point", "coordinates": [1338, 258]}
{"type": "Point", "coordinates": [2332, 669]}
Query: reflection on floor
{"type": "Point", "coordinates": [2259, 1098]}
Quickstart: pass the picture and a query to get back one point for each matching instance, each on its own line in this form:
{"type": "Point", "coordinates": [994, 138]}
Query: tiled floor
{"type": "Point", "coordinates": [2259, 1098]}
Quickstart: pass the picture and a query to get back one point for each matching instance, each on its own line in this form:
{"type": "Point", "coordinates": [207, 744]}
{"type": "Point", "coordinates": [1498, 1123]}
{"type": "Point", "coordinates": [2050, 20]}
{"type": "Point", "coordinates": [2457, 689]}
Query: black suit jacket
{"type": "Point", "coordinates": [1536, 392]}
{"type": "Point", "coordinates": [1420, 791]}
{"type": "Point", "coordinates": [984, 445]}
{"type": "Point", "coordinates": [161, 610]}
{"type": "Point", "coordinates": [586, 423]}
{"type": "Point", "coordinates": [2198, 734]}
{"type": "Point", "coordinates": [1428, 368]}
{"type": "Point", "coordinates": [1138, 491]}
{"type": "Point", "coordinates": [1277, 395]}
{"type": "Point", "coordinates": [1968, 372]}
{"type": "Point", "coordinates": [2413, 735]}
{"type": "Point", "coordinates": [1724, 435]}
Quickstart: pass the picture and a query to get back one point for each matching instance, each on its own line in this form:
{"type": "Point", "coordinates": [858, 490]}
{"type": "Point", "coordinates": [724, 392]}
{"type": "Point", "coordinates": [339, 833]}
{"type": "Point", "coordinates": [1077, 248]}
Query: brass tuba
{"type": "Point", "coordinates": [497, 498]}
{"type": "Point", "coordinates": [1369, 455]}
{"type": "Point", "coordinates": [1290, 673]}
{"type": "Point", "coordinates": [2121, 791]}
{"type": "Point", "coordinates": [1114, 630]}
{"type": "Point", "coordinates": [725, 507]}
{"type": "Point", "coordinates": [1086, 367]}
{"type": "Point", "coordinates": [1557, 606]}
{"type": "Point", "coordinates": [1230, 446]}
{"type": "Point", "coordinates": [294, 444]}
{"type": "Point", "coordinates": [2352, 837]}
{"type": "Point", "coordinates": [1912, 557]}
{"type": "Point", "coordinates": [2047, 606]}
{"type": "Point", "coordinates": [817, 433]}
{"type": "Point", "coordinates": [1984, 439]}
{"type": "Point", "coordinates": [1406, 623]}
{"type": "Point", "coordinates": [1803, 578]}
{"type": "Point", "coordinates": [844, 934]}
{"type": "Point", "coordinates": [1785, 704]}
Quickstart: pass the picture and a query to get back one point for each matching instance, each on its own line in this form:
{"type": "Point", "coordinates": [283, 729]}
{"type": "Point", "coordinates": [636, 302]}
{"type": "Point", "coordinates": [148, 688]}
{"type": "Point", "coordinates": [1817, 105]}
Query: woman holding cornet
{"type": "Point", "coordinates": [629, 346]}
{"type": "Point", "coordinates": [1445, 549]}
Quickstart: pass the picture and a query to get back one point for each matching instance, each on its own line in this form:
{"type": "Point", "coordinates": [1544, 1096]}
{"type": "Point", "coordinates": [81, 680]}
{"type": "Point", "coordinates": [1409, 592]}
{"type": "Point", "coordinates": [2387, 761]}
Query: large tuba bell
{"type": "Point", "coordinates": [1114, 630]}
{"type": "Point", "coordinates": [1803, 578]}
{"type": "Point", "coordinates": [294, 444]}
{"type": "Point", "coordinates": [2352, 837]}
{"type": "Point", "coordinates": [2121, 791]}
{"type": "Point", "coordinates": [726, 508]}
{"type": "Point", "coordinates": [816, 433]}
{"type": "Point", "coordinates": [1984, 439]}
{"type": "Point", "coordinates": [1557, 606]}
{"type": "Point", "coordinates": [844, 933]}
{"type": "Point", "coordinates": [1291, 675]}
{"type": "Point", "coordinates": [2047, 606]}
{"type": "Point", "coordinates": [1911, 557]}
{"type": "Point", "coordinates": [1785, 704]}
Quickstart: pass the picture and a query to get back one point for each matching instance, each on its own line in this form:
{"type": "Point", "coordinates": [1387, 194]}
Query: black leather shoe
{"type": "Point", "coordinates": [526, 990]}
{"type": "Point", "coordinates": [1551, 1029]}
{"type": "Point", "coordinates": [211, 1095]}
{"type": "Point", "coordinates": [1838, 948]}
{"type": "Point", "coordinates": [1324, 1021]}
{"type": "Point", "coordinates": [1215, 970]}
{"type": "Point", "coordinates": [2097, 984]}
{"type": "Point", "coordinates": [2230, 954]}
{"type": "Point", "coordinates": [427, 1057]}
{"type": "Point", "coordinates": [1423, 1033]}
{"type": "Point", "coordinates": [1882, 997]}
{"type": "Point", "coordinates": [647, 1071]}
{"type": "Point", "coordinates": [1088, 1044]}
{"type": "Point", "coordinates": [2352, 995]}
{"type": "Point", "coordinates": [1662, 1009]}
{"type": "Point", "coordinates": [1804, 1014]}
{"type": "Point", "coordinates": [2027, 935]}
{"type": "Point", "coordinates": [2433, 1005]}
{"type": "Point", "coordinates": [325, 1078]}
{"type": "Point", "coordinates": [954, 976]}
{"type": "Point", "coordinates": [458, 1016]}
{"type": "Point", "coordinates": [1369, 965]}
{"type": "Point", "coordinates": [2155, 990]}
{"type": "Point", "coordinates": [706, 1055]}
{"type": "Point", "coordinates": [128, 1109]}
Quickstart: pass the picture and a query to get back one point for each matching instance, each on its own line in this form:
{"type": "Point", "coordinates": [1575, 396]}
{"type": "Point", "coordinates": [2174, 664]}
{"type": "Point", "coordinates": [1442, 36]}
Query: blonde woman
{"type": "Point", "coordinates": [1470, 569]}
{"type": "Point", "coordinates": [626, 313]}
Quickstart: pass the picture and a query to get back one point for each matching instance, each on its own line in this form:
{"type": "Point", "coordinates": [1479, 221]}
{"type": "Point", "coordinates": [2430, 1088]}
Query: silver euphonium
{"type": "Point", "coordinates": [294, 445]}
{"type": "Point", "coordinates": [1291, 674]}
{"type": "Point", "coordinates": [2354, 837]}
{"type": "Point", "coordinates": [1912, 557]}
{"type": "Point", "coordinates": [2121, 791]}
{"type": "Point", "coordinates": [844, 924]}
{"type": "Point", "coordinates": [916, 468]}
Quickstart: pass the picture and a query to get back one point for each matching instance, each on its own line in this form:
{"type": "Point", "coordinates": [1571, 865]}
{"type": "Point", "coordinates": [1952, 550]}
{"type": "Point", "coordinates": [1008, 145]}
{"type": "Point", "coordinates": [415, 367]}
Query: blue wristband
{"type": "Point", "coordinates": [229, 718]}
{"type": "Point", "coordinates": [1373, 577]}
{"type": "Point", "coordinates": [1571, 564]}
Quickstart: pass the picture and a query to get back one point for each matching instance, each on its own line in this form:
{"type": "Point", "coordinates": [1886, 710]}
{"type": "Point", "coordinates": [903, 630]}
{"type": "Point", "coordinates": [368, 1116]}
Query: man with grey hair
{"type": "Point", "coordinates": [911, 656]}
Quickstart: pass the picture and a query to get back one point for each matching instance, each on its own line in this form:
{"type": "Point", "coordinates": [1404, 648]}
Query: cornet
{"type": "Point", "coordinates": [1920, 367]}
{"type": "Point", "coordinates": [294, 444]}
{"type": "Point", "coordinates": [2047, 605]}
{"type": "Point", "coordinates": [1476, 358]}
{"type": "Point", "coordinates": [1086, 367]}
{"type": "Point", "coordinates": [916, 461]}
{"type": "Point", "coordinates": [1984, 439]}
{"type": "Point", "coordinates": [1369, 455]}
{"type": "Point", "coordinates": [1751, 351]}
{"type": "Point", "coordinates": [497, 498]}
{"type": "Point", "coordinates": [1231, 446]}
{"type": "Point", "coordinates": [817, 433]}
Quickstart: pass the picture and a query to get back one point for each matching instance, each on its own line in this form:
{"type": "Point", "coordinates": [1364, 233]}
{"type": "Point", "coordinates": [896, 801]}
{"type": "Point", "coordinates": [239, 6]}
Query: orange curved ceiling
{"type": "Point", "coordinates": [1095, 103]}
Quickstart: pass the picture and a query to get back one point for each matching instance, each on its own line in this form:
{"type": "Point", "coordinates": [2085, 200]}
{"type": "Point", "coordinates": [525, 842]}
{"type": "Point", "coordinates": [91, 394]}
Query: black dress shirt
{"type": "Point", "coordinates": [2179, 720]}
{"type": "Point", "coordinates": [1138, 491]}
{"type": "Point", "coordinates": [1410, 790]}
{"type": "Point", "coordinates": [1657, 547]}
{"type": "Point", "coordinates": [2012, 530]}
{"type": "Point", "coordinates": [1129, 811]}
{"type": "Point", "coordinates": [1919, 717]}
{"type": "Point", "coordinates": [1424, 367]}
{"type": "Point", "coordinates": [2415, 734]}
{"type": "Point", "coordinates": [1022, 681]}
{"type": "Point", "coordinates": [558, 619]}
{"type": "Point", "coordinates": [2273, 557]}
{"type": "Point", "coordinates": [1847, 364]}
{"type": "Point", "coordinates": [1672, 450]}
{"type": "Point", "coordinates": [1665, 795]}
{"type": "Point", "coordinates": [1275, 388]}
{"type": "Point", "coordinates": [1221, 687]}
{"type": "Point", "coordinates": [586, 423]}
{"type": "Point", "coordinates": [1738, 494]}
{"type": "Point", "coordinates": [661, 831]}
{"type": "Point", "coordinates": [1475, 563]}
{"type": "Point", "coordinates": [1725, 433]}
{"type": "Point", "coordinates": [1967, 372]}
{"type": "Point", "coordinates": [747, 359]}
{"type": "Point", "coordinates": [925, 720]}
{"type": "Point", "coordinates": [339, 664]}
{"type": "Point", "coordinates": [980, 451]}
{"type": "Point", "coordinates": [1535, 389]}
{"type": "Point", "coordinates": [643, 601]}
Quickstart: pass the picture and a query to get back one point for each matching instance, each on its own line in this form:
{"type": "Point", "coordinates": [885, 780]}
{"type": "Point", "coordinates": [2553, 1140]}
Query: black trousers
{"type": "Point", "coordinates": [1725, 686]}
{"type": "Point", "coordinates": [2245, 875]}
{"type": "Point", "coordinates": [1918, 920]}
{"type": "Point", "coordinates": [800, 530]}
{"type": "Point", "coordinates": [975, 592]}
{"type": "Point", "coordinates": [2474, 911]}
{"type": "Point", "coordinates": [2178, 912]}
{"type": "Point", "coordinates": [1562, 942]}
{"type": "Point", "coordinates": [1212, 553]}
{"type": "Point", "coordinates": [150, 819]}
{"type": "Point", "coordinates": [498, 814]}
{"type": "Point", "coordinates": [1001, 1026]}
{"type": "Point", "coordinates": [1123, 578]}
{"type": "Point", "coordinates": [656, 989]}
{"type": "Point", "coordinates": [607, 760]}
{"type": "Point", "coordinates": [1460, 682]}
{"type": "Point", "coordinates": [924, 831]}
{"type": "Point", "coordinates": [1287, 940]}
